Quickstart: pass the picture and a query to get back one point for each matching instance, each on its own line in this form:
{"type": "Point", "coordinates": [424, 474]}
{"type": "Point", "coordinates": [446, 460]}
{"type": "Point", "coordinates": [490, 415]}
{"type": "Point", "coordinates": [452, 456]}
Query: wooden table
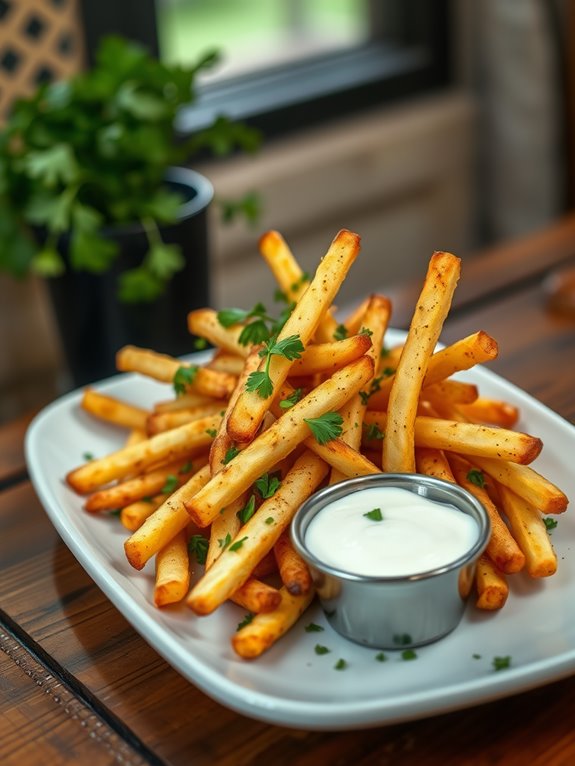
{"type": "Point", "coordinates": [78, 685]}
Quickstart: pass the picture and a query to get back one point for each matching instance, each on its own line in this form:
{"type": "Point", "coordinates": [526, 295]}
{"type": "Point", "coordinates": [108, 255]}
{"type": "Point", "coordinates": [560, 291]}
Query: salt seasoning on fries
{"type": "Point", "coordinates": [210, 479]}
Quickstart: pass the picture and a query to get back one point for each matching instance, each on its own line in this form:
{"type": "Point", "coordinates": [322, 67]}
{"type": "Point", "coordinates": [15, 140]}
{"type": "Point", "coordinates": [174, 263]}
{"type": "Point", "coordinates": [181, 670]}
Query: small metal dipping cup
{"type": "Point", "coordinates": [394, 612]}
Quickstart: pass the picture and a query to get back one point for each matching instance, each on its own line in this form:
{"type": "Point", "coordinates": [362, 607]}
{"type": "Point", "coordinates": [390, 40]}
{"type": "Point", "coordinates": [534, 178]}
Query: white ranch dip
{"type": "Point", "coordinates": [414, 534]}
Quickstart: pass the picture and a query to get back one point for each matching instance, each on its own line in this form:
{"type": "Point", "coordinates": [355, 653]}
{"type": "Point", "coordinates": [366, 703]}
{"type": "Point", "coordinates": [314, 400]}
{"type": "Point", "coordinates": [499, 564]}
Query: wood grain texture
{"type": "Point", "coordinates": [12, 462]}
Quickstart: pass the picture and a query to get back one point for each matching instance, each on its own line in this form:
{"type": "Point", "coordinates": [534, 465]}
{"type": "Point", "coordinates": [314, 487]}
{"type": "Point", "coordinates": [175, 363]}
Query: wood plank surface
{"type": "Point", "coordinates": [12, 462]}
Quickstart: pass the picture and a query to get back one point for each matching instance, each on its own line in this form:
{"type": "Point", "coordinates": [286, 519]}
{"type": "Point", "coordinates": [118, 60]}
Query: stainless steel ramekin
{"type": "Point", "coordinates": [394, 612]}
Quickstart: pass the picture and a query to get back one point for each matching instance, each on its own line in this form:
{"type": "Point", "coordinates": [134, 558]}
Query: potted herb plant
{"type": "Point", "coordinates": [93, 197]}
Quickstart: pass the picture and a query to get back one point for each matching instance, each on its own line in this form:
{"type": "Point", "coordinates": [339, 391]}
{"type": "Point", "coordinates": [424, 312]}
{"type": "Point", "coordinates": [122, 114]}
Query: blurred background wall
{"type": "Point", "coordinates": [464, 162]}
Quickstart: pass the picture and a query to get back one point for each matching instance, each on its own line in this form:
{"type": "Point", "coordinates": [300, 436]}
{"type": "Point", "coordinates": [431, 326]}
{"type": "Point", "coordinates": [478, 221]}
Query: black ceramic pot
{"type": "Point", "coordinates": [93, 324]}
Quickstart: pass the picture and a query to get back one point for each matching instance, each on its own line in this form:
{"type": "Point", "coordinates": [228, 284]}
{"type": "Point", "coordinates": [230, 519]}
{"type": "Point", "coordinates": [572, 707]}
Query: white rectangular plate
{"type": "Point", "coordinates": [291, 685]}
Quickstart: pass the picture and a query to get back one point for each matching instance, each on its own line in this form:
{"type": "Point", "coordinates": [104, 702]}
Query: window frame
{"type": "Point", "coordinates": [409, 54]}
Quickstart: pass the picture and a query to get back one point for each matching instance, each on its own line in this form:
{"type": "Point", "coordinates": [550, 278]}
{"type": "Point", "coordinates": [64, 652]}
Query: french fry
{"type": "Point", "coordinates": [250, 407]}
{"type": "Point", "coordinates": [502, 548]}
{"type": "Point", "coordinates": [135, 489]}
{"type": "Point", "coordinates": [265, 629]}
{"type": "Point", "coordinates": [279, 440]}
{"type": "Point", "coordinates": [185, 401]}
{"type": "Point", "coordinates": [158, 422]}
{"type": "Point", "coordinates": [484, 410]}
{"type": "Point", "coordinates": [432, 462]}
{"type": "Point", "coordinates": [294, 572]}
{"type": "Point", "coordinates": [432, 307]}
{"type": "Point", "coordinates": [454, 391]}
{"type": "Point", "coordinates": [470, 438]}
{"type": "Point", "coordinates": [224, 527]}
{"type": "Point", "coordinates": [292, 281]}
{"type": "Point", "coordinates": [113, 410]}
{"type": "Point", "coordinates": [179, 443]}
{"type": "Point", "coordinates": [329, 357]}
{"type": "Point", "coordinates": [224, 361]}
{"type": "Point", "coordinates": [258, 536]}
{"type": "Point", "coordinates": [257, 596]}
{"type": "Point", "coordinates": [530, 533]}
{"type": "Point", "coordinates": [172, 571]}
{"type": "Point", "coordinates": [464, 354]}
{"type": "Point", "coordinates": [162, 367]}
{"type": "Point", "coordinates": [492, 587]}
{"type": "Point", "coordinates": [526, 483]}
{"type": "Point", "coordinates": [133, 515]}
{"type": "Point", "coordinates": [204, 322]}
{"type": "Point", "coordinates": [165, 523]}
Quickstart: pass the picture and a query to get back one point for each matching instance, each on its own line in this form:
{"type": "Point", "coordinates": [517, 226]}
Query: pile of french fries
{"type": "Point", "coordinates": [209, 480]}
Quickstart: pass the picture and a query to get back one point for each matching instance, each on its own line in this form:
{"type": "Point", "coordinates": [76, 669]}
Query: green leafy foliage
{"type": "Point", "coordinates": [327, 427]}
{"type": "Point", "coordinates": [92, 152]}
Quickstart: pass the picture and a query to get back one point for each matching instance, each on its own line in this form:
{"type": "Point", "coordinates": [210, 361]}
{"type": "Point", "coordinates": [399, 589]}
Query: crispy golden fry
{"type": "Point", "coordinates": [484, 410]}
{"type": "Point", "coordinates": [162, 367]}
{"type": "Point", "coordinates": [529, 531]}
{"type": "Point", "coordinates": [294, 572]}
{"type": "Point", "coordinates": [185, 401]}
{"type": "Point", "coordinates": [375, 322]}
{"type": "Point", "coordinates": [492, 588]}
{"type": "Point", "coordinates": [432, 307]}
{"type": "Point", "coordinates": [144, 485]}
{"type": "Point", "coordinates": [177, 444]}
{"type": "Point", "coordinates": [134, 515]}
{"type": "Point", "coordinates": [204, 323]}
{"type": "Point", "coordinates": [278, 441]}
{"type": "Point", "coordinates": [250, 407]}
{"type": "Point", "coordinates": [257, 596]}
{"type": "Point", "coordinates": [258, 536]}
{"type": "Point", "coordinates": [113, 410]}
{"type": "Point", "coordinates": [469, 438]}
{"type": "Point", "coordinates": [172, 571]}
{"type": "Point", "coordinates": [502, 548]}
{"type": "Point", "coordinates": [158, 422]}
{"type": "Point", "coordinates": [354, 321]}
{"type": "Point", "coordinates": [432, 462]}
{"type": "Point", "coordinates": [292, 281]}
{"type": "Point", "coordinates": [225, 526]}
{"type": "Point", "coordinates": [461, 355]}
{"type": "Point", "coordinates": [454, 391]}
{"type": "Point", "coordinates": [224, 361]}
{"type": "Point", "coordinates": [223, 442]}
{"type": "Point", "coordinates": [329, 357]}
{"type": "Point", "coordinates": [526, 483]}
{"type": "Point", "coordinates": [135, 436]}
{"type": "Point", "coordinates": [165, 523]}
{"type": "Point", "coordinates": [265, 629]}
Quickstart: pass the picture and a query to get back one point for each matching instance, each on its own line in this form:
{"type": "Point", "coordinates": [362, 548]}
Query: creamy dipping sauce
{"type": "Point", "coordinates": [414, 534]}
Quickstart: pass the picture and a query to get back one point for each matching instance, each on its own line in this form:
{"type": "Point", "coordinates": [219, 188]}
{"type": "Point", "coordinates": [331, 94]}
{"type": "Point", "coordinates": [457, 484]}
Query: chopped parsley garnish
{"type": "Point", "coordinates": [476, 656]}
{"type": "Point", "coordinates": [325, 428]}
{"type": "Point", "coordinates": [248, 510]}
{"type": "Point", "coordinates": [475, 476]}
{"type": "Point", "coordinates": [402, 639]}
{"type": "Point", "coordinates": [313, 627]}
{"type": "Point", "coordinates": [374, 515]}
{"type": "Point", "coordinates": [116, 512]}
{"type": "Point", "coordinates": [183, 378]}
{"type": "Point", "coordinates": [186, 468]}
{"type": "Point", "coordinates": [340, 665]}
{"type": "Point", "coordinates": [300, 282]}
{"type": "Point", "coordinates": [373, 431]}
{"type": "Point", "coordinates": [270, 520]}
{"type": "Point", "coordinates": [340, 332]}
{"type": "Point", "coordinates": [549, 523]}
{"type": "Point", "coordinates": [408, 654]}
{"type": "Point", "coordinates": [267, 485]}
{"type": "Point", "coordinates": [319, 649]}
{"type": "Point", "coordinates": [170, 484]}
{"type": "Point", "coordinates": [198, 545]}
{"type": "Point", "coordinates": [88, 456]}
{"type": "Point", "coordinates": [238, 544]}
{"type": "Point", "coordinates": [259, 327]}
{"type": "Point", "coordinates": [366, 331]}
{"type": "Point", "coordinates": [246, 621]}
{"type": "Point", "coordinates": [387, 372]}
{"type": "Point", "coordinates": [200, 344]}
{"type": "Point", "coordinates": [375, 386]}
{"type": "Point", "coordinates": [380, 657]}
{"type": "Point", "coordinates": [501, 663]}
{"type": "Point", "coordinates": [292, 399]}
{"type": "Point", "coordinates": [211, 432]}
{"type": "Point", "coordinates": [231, 452]}
{"type": "Point", "coordinates": [224, 542]}
{"type": "Point", "coordinates": [290, 348]}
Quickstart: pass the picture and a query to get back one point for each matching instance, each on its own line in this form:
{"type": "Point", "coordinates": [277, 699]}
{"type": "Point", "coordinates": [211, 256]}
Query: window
{"type": "Point", "coordinates": [321, 58]}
